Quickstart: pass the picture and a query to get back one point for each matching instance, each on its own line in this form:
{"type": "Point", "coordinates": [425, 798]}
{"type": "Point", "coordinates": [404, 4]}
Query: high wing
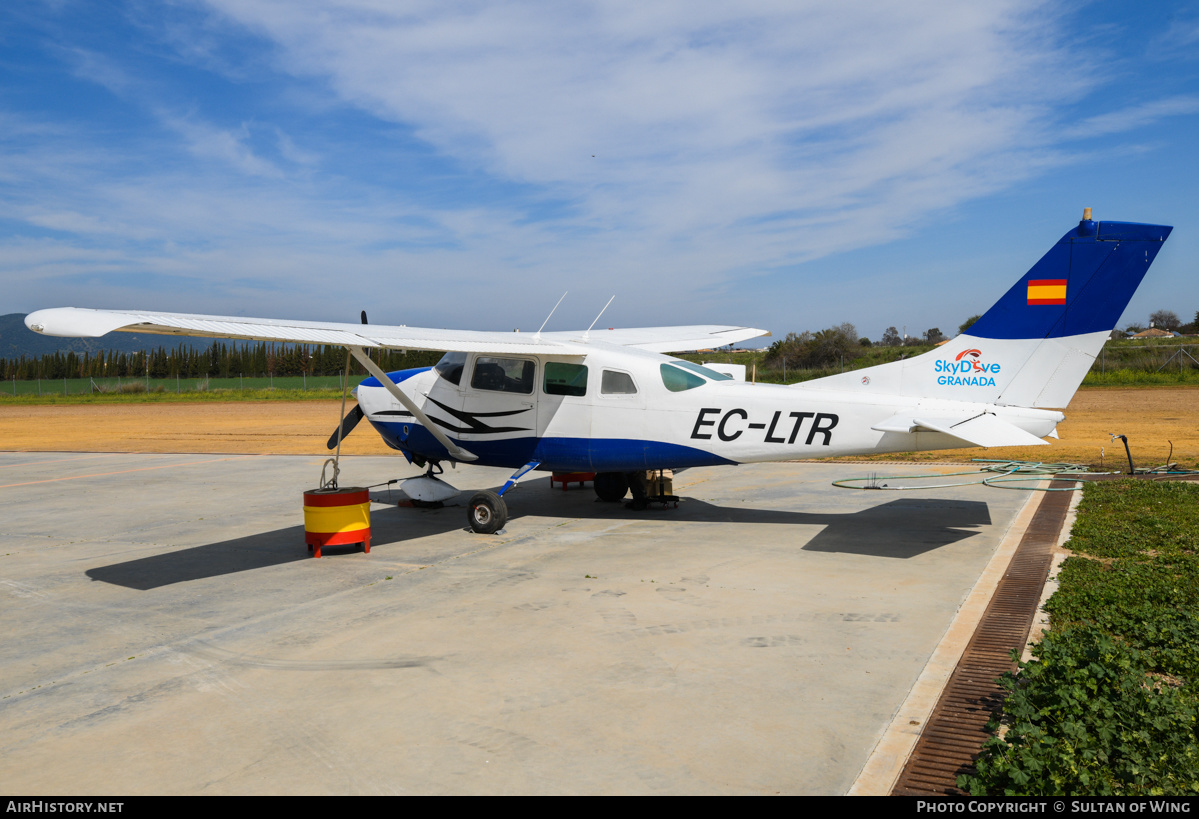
{"type": "Point", "coordinates": [87, 323]}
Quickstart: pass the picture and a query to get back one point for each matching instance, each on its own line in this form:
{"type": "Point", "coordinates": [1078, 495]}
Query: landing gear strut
{"type": "Point", "coordinates": [637, 487]}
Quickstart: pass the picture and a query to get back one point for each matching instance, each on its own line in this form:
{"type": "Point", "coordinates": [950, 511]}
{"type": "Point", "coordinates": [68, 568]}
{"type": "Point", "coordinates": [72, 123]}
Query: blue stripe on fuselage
{"type": "Point", "coordinates": [555, 454]}
{"type": "Point", "coordinates": [396, 377]}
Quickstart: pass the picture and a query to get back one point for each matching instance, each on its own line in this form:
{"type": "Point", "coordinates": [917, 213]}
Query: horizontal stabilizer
{"type": "Point", "coordinates": [980, 430]}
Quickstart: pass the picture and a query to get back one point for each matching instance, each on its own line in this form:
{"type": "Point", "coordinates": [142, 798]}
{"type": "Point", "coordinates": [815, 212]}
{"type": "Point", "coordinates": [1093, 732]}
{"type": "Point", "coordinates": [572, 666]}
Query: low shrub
{"type": "Point", "coordinates": [1109, 703]}
{"type": "Point", "coordinates": [1087, 716]}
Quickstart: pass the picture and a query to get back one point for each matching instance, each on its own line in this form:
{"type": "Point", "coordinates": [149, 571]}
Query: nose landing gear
{"type": "Point", "coordinates": [487, 513]}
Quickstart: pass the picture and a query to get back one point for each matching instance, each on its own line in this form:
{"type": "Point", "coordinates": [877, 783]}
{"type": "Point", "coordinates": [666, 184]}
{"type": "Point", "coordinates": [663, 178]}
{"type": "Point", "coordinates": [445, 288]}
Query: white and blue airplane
{"type": "Point", "coordinates": [613, 403]}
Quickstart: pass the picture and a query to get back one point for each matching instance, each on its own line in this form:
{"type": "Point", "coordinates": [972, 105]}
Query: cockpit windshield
{"type": "Point", "coordinates": [450, 367]}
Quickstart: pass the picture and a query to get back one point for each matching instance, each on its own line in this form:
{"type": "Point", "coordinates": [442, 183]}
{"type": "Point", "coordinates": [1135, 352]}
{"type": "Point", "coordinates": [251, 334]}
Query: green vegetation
{"type": "Point", "coordinates": [805, 356]}
{"type": "Point", "coordinates": [221, 360]}
{"type": "Point", "coordinates": [1141, 378]}
{"type": "Point", "coordinates": [100, 390]}
{"type": "Point", "coordinates": [1148, 355]}
{"type": "Point", "coordinates": [774, 372]}
{"type": "Point", "coordinates": [164, 397]}
{"type": "Point", "coordinates": [236, 372]}
{"type": "Point", "coordinates": [1109, 704]}
{"type": "Point", "coordinates": [226, 372]}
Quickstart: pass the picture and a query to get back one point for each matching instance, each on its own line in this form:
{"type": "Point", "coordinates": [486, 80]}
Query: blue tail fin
{"type": "Point", "coordinates": [1082, 285]}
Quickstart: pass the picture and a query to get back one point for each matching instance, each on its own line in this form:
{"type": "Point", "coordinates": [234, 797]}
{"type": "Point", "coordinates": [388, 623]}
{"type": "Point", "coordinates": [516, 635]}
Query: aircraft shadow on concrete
{"type": "Point", "coordinates": [899, 529]}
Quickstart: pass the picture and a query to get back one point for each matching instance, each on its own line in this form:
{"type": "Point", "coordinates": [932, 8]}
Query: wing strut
{"type": "Point", "coordinates": [516, 476]}
{"type": "Point", "coordinates": [455, 451]}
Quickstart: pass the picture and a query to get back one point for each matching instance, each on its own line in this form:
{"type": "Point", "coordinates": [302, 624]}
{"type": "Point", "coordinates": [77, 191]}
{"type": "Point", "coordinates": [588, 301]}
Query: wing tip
{"type": "Point", "coordinates": [75, 322]}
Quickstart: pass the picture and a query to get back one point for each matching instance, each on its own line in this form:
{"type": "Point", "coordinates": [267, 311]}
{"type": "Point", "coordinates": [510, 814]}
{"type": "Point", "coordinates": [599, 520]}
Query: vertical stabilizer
{"type": "Point", "coordinates": [1037, 343]}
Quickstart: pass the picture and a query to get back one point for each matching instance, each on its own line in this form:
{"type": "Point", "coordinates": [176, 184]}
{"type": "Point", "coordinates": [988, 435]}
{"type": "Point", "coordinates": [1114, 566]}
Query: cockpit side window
{"type": "Point", "coordinates": [614, 382]}
{"type": "Point", "coordinates": [677, 379]}
{"type": "Point", "coordinates": [503, 375]}
{"type": "Point", "coordinates": [450, 367]}
{"type": "Point", "coordinates": [565, 379]}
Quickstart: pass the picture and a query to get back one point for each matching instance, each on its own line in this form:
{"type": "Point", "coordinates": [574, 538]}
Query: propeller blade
{"type": "Point", "coordinates": [364, 317]}
{"type": "Point", "coordinates": [346, 426]}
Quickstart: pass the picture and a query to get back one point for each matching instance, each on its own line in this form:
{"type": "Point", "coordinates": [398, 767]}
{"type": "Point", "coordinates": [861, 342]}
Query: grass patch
{"type": "Point", "coordinates": [1109, 704]}
{"type": "Point", "coordinates": [167, 397]}
{"type": "Point", "coordinates": [294, 387]}
{"type": "Point", "coordinates": [1145, 519]}
{"type": "Point", "coordinates": [1140, 378]}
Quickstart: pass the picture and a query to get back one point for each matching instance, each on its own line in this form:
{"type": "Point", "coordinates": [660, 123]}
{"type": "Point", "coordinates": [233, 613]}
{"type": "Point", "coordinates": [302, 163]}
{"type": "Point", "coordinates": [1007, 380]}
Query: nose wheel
{"type": "Point", "coordinates": [486, 513]}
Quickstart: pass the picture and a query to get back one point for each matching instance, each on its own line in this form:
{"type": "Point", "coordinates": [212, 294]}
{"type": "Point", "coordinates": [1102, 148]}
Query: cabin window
{"type": "Point", "coordinates": [503, 375]}
{"type": "Point", "coordinates": [565, 379]}
{"type": "Point", "coordinates": [677, 379]}
{"type": "Point", "coordinates": [450, 367]}
{"type": "Point", "coordinates": [617, 383]}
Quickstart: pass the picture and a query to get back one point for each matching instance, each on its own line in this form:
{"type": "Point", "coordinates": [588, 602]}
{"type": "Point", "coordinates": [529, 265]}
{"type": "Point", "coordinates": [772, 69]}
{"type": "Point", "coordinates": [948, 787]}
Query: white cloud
{"type": "Point", "coordinates": [675, 118]}
{"type": "Point", "coordinates": [221, 144]}
{"type": "Point", "coordinates": [674, 146]}
{"type": "Point", "coordinates": [1135, 116]}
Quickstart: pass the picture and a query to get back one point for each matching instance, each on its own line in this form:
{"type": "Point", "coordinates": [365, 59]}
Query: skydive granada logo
{"type": "Point", "coordinates": [967, 370]}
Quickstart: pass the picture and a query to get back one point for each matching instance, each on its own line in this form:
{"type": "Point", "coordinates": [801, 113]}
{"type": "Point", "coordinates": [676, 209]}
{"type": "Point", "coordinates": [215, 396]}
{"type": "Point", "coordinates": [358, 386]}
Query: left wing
{"type": "Point", "coordinates": [88, 323]}
{"type": "Point", "coordinates": [83, 322]}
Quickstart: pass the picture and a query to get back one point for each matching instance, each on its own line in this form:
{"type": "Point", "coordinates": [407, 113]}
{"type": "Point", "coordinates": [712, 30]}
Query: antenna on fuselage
{"type": "Point", "coordinates": [547, 318]}
{"type": "Point", "coordinates": [587, 333]}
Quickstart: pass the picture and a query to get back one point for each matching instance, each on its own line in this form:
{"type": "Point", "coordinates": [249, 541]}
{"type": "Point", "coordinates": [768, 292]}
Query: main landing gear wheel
{"type": "Point", "coordinates": [610, 487]}
{"type": "Point", "coordinates": [487, 513]}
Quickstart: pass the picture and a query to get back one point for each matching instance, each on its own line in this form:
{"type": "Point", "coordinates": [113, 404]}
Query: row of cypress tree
{"type": "Point", "coordinates": [220, 360]}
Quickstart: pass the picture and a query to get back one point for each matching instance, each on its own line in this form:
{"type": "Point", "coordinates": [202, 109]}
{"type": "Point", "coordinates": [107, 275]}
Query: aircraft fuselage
{"type": "Point", "coordinates": [620, 411]}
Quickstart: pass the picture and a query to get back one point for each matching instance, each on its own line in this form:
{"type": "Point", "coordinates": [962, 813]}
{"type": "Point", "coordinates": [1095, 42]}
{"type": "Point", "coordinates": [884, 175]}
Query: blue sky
{"type": "Point", "coordinates": [786, 165]}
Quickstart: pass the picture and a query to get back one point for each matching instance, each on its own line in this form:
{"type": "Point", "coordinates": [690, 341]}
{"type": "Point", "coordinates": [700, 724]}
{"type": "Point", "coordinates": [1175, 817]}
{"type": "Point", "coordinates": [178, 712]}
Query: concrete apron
{"type": "Point", "coordinates": [164, 630]}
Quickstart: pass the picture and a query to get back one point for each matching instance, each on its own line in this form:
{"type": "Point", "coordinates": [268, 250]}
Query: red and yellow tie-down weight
{"type": "Point", "coordinates": [333, 517]}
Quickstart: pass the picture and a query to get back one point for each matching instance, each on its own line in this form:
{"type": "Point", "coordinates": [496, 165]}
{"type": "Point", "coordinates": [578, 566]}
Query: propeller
{"type": "Point", "coordinates": [346, 426]}
{"type": "Point", "coordinates": [352, 417]}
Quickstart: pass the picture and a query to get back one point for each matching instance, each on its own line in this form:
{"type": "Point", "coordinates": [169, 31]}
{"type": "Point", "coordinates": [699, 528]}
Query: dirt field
{"type": "Point", "coordinates": [1149, 416]}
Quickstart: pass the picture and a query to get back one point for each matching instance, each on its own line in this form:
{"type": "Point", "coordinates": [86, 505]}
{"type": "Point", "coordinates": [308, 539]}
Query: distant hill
{"type": "Point", "coordinates": [17, 340]}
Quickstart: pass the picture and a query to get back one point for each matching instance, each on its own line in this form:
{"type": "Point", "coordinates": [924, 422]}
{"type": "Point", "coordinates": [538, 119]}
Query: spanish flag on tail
{"type": "Point", "coordinates": [1046, 291]}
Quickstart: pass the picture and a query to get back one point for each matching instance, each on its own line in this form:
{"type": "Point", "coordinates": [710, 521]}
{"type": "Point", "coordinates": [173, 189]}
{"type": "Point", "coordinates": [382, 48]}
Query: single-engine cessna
{"type": "Point", "coordinates": [613, 403]}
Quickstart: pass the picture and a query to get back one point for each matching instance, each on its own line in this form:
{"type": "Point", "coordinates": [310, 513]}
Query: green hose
{"type": "Point", "coordinates": [994, 473]}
